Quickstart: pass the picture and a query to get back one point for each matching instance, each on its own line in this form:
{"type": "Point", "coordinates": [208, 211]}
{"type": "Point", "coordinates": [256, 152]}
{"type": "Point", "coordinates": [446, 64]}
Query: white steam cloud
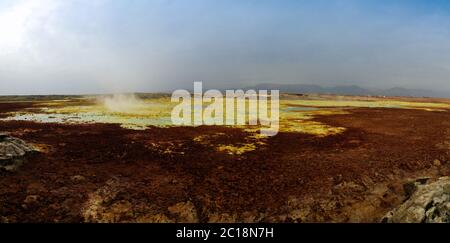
{"type": "Point", "coordinates": [122, 103]}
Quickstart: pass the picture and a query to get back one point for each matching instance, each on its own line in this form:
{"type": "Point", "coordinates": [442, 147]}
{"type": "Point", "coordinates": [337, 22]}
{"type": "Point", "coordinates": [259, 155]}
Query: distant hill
{"type": "Point", "coordinates": [348, 90]}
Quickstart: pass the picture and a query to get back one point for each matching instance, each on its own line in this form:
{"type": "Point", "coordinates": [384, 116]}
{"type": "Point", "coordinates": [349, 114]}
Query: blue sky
{"type": "Point", "coordinates": [90, 46]}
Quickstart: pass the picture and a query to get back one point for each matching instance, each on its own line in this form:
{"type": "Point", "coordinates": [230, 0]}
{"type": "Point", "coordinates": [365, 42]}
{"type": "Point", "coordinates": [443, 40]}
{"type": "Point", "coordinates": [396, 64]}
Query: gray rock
{"type": "Point", "coordinates": [429, 203]}
{"type": "Point", "coordinates": [13, 152]}
{"type": "Point", "coordinates": [410, 187]}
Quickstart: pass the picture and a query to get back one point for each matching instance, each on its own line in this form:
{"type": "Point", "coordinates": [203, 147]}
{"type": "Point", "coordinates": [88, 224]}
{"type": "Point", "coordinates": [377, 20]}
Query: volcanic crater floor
{"type": "Point", "coordinates": [106, 173]}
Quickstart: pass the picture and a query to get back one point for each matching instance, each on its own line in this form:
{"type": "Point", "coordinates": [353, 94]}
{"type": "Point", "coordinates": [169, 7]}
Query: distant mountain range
{"type": "Point", "coordinates": [348, 90]}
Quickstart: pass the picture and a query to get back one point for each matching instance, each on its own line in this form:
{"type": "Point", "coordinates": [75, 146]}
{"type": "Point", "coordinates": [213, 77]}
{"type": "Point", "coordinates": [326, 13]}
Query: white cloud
{"type": "Point", "coordinates": [69, 46]}
{"type": "Point", "coordinates": [18, 20]}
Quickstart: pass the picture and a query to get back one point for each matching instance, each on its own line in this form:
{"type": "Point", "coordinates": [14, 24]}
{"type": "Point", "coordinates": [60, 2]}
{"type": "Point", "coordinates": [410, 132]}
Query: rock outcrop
{"type": "Point", "coordinates": [427, 203]}
{"type": "Point", "coordinates": [13, 152]}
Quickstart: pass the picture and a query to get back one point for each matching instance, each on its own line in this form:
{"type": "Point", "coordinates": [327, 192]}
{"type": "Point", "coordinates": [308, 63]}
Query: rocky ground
{"type": "Point", "coordinates": [426, 203]}
{"type": "Point", "coordinates": [103, 173]}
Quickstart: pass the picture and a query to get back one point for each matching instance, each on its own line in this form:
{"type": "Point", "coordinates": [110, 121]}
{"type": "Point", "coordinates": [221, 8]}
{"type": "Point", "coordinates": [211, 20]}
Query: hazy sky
{"type": "Point", "coordinates": [90, 46]}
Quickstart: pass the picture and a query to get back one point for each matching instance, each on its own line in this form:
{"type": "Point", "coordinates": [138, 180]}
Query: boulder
{"type": "Point", "coordinates": [428, 203]}
{"type": "Point", "coordinates": [13, 152]}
